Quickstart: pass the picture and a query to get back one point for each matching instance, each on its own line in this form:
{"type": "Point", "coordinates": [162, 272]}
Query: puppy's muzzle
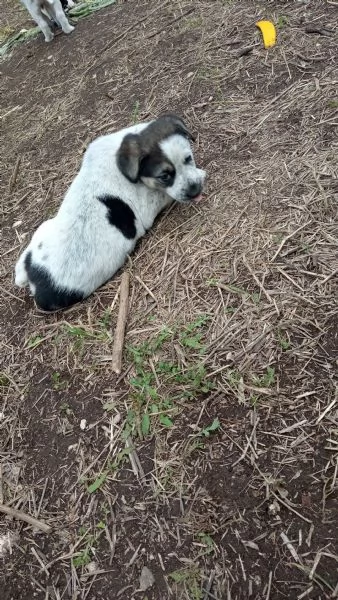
{"type": "Point", "coordinates": [194, 190]}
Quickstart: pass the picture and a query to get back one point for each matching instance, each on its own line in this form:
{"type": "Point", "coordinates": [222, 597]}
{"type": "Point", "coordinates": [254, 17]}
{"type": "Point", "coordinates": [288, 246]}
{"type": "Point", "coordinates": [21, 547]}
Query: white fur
{"type": "Point", "coordinates": [80, 249]}
{"type": "Point", "coordinates": [45, 11]}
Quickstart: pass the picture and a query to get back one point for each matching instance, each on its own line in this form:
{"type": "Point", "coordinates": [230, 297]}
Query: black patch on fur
{"type": "Point", "coordinates": [47, 295]}
{"type": "Point", "coordinates": [120, 215]}
{"type": "Point", "coordinates": [156, 164]}
{"type": "Point", "coordinates": [40, 246]}
{"type": "Point", "coordinates": [64, 4]}
{"type": "Point", "coordinates": [137, 147]}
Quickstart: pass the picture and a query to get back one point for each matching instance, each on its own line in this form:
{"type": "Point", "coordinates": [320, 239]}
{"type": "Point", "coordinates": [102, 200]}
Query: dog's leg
{"type": "Point", "coordinates": [42, 21]}
{"type": "Point", "coordinates": [57, 12]}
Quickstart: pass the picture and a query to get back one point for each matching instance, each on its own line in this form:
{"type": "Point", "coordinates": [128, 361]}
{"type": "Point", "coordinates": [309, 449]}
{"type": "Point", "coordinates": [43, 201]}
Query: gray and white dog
{"type": "Point", "coordinates": [126, 179]}
{"type": "Point", "coordinates": [44, 12]}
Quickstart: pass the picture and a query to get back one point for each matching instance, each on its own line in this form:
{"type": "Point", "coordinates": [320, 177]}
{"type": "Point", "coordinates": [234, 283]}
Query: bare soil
{"type": "Point", "coordinates": [212, 459]}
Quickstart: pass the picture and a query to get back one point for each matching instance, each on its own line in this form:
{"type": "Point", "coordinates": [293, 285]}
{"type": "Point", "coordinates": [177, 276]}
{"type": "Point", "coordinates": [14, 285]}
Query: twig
{"type": "Point", "coordinates": [287, 238]}
{"type": "Point", "coordinates": [259, 283]}
{"type": "Point", "coordinates": [327, 409]}
{"type": "Point", "coordinates": [1, 485]}
{"type": "Point", "coordinates": [145, 287]}
{"type": "Point", "coordinates": [269, 586]}
{"type": "Point", "coordinates": [208, 586]}
{"type": "Point", "coordinates": [14, 175]}
{"type": "Point", "coordinates": [290, 547]}
{"type": "Point", "coordinates": [279, 499]}
{"type": "Point", "coordinates": [121, 324]}
{"type": "Point", "coordinates": [244, 453]}
{"type": "Point", "coordinates": [18, 514]}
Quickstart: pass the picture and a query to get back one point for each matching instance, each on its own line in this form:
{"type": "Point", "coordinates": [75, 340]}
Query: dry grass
{"type": "Point", "coordinates": [212, 459]}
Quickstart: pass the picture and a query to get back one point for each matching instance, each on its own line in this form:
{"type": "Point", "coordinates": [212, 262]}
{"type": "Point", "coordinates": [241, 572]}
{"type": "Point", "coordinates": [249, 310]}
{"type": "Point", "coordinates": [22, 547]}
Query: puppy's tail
{"type": "Point", "coordinates": [21, 278]}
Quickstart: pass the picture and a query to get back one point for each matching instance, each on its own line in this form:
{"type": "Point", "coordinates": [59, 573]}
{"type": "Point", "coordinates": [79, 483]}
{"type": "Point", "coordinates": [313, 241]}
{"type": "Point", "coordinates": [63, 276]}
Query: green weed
{"type": "Point", "coordinates": [34, 341]}
{"type": "Point", "coordinates": [283, 340]}
{"type": "Point", "coordinates": [150, 406]}
{"type": "Point", "coordinates": [58, 383]}
{"type": "Point", "coordinates": [266, 380]}
{"type": "Point", "coordinates": [191, 579]}
{"type": "Point", "coordinates": [136, 113]}
{"type": "Point", "coordinates": [4, 380]}
{"type": "Point", "coordinates": [281, 22]}
{"type": "Point", "coordinates": [215, 425]}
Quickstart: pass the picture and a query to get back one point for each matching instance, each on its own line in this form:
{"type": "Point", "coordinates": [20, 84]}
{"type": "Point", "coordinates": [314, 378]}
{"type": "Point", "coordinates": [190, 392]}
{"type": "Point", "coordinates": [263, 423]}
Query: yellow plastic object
{"type": "Point", "coordinates": [268, 31]}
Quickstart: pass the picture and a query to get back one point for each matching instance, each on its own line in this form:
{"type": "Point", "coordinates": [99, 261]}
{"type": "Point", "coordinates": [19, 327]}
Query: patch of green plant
{"type": "Point", "coordinates": [191, 579]}
{"type": "Point", "coordinates": [80, 335]}
{"type": "Point", "coordinates": [193, 23]}
{"type": "Point", "coordinates": [58, 383]}
{"type": "Point", "coordinates": [150, 406]}
{"type": "Point", "coordinates": [233, 377]}
{"type": "Point", "coordinates": [34, 341]}
{"type": "Point", "coordinates": [97, 483]}
{"type": "Point", "coordinates": [333, 103]}
{"type": "Point", "coordinates": [4, 380]}
{"type": "Point", "coordinates": [283, 340]}
{"type": "Point", "coordinates": [208, 542]}
{"type": "Point", "coordinates": [215, 425]}
{"type": "Point", "coordinates": [281, 22]}
{"type": "Point", "coordinates": [266, 380]}
{"type": "Point", "coordinates": [83, 333]}
{"type": "Point", "coordinates": [85, 556]}
{"type": "Point", "coordinates": [65, 409]}
{"type": "Point", "coordinates": [254, 399]}
{"type": "Point", "coordinates": [105, 320]}
{"type": "Point", "coordinates": [191, 336]}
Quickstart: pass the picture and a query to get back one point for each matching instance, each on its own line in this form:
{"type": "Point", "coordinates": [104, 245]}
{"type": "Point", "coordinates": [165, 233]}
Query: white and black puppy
{"type": "Point", "coordinates": [44, 12]}
{"type": "Point", "coordinates": [126, 179]}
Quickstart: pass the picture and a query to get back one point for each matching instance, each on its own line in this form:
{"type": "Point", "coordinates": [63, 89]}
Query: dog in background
{"type": "Point", "coordinates": [126, 179]}
{"type": "Point", "coordinates": [44, 12]}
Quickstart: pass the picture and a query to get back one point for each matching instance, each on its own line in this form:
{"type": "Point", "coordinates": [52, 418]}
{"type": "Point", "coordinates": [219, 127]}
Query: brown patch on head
{"type": "Point", "coordinates": [143, 148]}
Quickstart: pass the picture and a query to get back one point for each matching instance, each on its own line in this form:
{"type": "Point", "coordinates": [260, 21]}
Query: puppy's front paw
{"type": "Point", "coordinates": [69, 29]}
{"type": "Point", "coordinates": [49, 37]}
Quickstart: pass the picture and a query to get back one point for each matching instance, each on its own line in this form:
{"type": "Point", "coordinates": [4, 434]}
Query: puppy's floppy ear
{"type": "Point", "coordinates": [129, 157]}
{"type": "Point", "coordinates": [179, 125]}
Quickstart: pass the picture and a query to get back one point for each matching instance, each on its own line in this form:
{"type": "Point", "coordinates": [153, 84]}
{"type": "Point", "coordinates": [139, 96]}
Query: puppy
{"type": "Point", "coordinates": [126, 179]}
{"type": "Point", "coordinates": [44, 12]}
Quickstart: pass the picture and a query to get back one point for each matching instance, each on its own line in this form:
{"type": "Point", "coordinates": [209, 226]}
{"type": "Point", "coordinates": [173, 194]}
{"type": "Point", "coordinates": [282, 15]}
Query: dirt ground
{"type": "Point", "coordinates": [207, 469]}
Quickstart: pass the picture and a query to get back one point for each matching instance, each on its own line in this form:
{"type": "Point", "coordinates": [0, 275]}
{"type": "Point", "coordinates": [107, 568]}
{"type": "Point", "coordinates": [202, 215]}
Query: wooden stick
{"type": "Point", "coordinates": [18, 514]}
{"type": "Point", "coordinates": [14, 175]}
{"type": "Point", "coordinates": [121, 324]}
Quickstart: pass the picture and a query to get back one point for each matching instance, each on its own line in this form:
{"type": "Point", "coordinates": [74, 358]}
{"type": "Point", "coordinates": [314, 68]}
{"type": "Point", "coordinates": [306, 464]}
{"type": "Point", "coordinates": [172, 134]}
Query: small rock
{"type": "Point", "coordinates": [92, 567]}
{"type": "Point", "coordinates": [146, 579]}
{"type": "Point", "coordinates": [83, 424]}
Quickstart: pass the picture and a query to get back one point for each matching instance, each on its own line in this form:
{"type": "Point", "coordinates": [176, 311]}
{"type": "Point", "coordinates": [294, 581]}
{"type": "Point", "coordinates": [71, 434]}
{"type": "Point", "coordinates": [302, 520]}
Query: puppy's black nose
{"type": "Point", "coordinates": [194, 190]}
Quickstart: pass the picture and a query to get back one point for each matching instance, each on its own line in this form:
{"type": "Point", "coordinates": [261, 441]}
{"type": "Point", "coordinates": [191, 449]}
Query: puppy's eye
{"type": "Point", "coordinates": [188, 160]}
{"type": "Point", "coordinates": [166, 177]}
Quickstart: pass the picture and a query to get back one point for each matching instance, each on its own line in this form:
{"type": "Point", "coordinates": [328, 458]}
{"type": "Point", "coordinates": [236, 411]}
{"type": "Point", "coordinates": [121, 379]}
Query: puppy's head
{"type": "Point", "coordinates": [160, 156]}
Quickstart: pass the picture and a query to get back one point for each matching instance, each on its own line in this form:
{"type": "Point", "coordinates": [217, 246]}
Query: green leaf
{"type": "Point", "coordinates": [213, 427]}
{"type": "Point", "coordinates": [145, 424]}
{"type": "Point", "coordinates": [34, 342]}
{"type": "Point", "coordinates": [97, 483]}
{"type": "Point", "coordinates": [192, 342]}
{"type": "Point", "coordinates": [164, 420]}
